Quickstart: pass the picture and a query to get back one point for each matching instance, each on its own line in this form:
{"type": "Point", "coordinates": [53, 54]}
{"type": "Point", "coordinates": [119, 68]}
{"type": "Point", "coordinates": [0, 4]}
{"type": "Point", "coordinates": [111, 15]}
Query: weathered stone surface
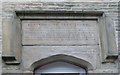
{"type": "Point", "coordinates": [31, 54]}
{"type": "Point", "coordinates": [0, 37]}
{"type": "Point", "coordinates": [60, 32]}
{"type": "Point", "coordinates": [110, 9]}
{"type": "Point", "coordinates": [61, 0]}
{"type": "Point", "coordinates": [55, 0]}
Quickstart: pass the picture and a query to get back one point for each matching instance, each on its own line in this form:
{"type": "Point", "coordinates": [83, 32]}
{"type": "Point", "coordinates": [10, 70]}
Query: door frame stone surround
{"type": "Point", "coordinates": [12, 46]}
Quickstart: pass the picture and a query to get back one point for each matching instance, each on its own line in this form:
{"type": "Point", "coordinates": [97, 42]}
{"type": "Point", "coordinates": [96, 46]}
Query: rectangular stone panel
{"type": "Point", "coordinates": [60, 32]}
{"type": "Point", "coordinates": [30, 54]}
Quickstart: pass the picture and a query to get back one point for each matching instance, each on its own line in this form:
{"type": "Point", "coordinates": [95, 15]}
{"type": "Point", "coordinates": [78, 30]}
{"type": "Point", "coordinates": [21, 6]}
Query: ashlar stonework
{"type": "Point", "coordinates": [36, 34]}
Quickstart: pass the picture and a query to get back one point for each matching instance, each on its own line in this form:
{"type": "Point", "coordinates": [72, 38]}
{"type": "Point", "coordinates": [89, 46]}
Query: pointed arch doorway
{"type": "Point", "coordinates": [60, 68]}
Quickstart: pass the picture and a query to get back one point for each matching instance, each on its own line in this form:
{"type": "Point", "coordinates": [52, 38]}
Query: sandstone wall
{"type": "Point", "coordinates": [110, 9]}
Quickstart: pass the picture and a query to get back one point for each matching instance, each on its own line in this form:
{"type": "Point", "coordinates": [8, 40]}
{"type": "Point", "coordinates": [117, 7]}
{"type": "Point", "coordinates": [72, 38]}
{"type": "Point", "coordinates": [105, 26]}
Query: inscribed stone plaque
{"type": "Point", "coordinates": [60, 32]}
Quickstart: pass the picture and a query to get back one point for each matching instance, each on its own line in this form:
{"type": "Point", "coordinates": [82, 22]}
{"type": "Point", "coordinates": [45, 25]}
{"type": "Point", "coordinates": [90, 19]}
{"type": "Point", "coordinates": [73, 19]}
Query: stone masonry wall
{"type": "Point", "coordinates": [0, 36]}
{"type": "Point", "coordinates": [61, 0]}
{"type": "Point", "coordinates": [110, 9]}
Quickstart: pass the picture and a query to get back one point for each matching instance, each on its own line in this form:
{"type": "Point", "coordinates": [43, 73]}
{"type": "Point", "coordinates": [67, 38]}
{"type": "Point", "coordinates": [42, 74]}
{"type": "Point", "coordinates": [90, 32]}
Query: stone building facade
{"type": "Point", "coordinates": [74, 33]}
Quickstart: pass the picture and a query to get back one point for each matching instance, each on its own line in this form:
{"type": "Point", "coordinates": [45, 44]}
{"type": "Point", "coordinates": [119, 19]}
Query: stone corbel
{"type": "Point", "coordinates": [109, 51]}
{"type": "Point", "coordinates": [11, 53]}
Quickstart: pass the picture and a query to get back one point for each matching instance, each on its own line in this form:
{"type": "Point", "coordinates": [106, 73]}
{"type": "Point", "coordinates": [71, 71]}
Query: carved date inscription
{"type": "Point", "coordinates": [60, 32]}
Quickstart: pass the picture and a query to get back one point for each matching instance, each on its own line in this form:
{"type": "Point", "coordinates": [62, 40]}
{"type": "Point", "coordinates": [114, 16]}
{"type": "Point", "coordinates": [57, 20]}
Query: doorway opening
{"type": "Point", "coordinates": [60, 74]}
{"type": "Point", "coordinates": [60, 68]}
